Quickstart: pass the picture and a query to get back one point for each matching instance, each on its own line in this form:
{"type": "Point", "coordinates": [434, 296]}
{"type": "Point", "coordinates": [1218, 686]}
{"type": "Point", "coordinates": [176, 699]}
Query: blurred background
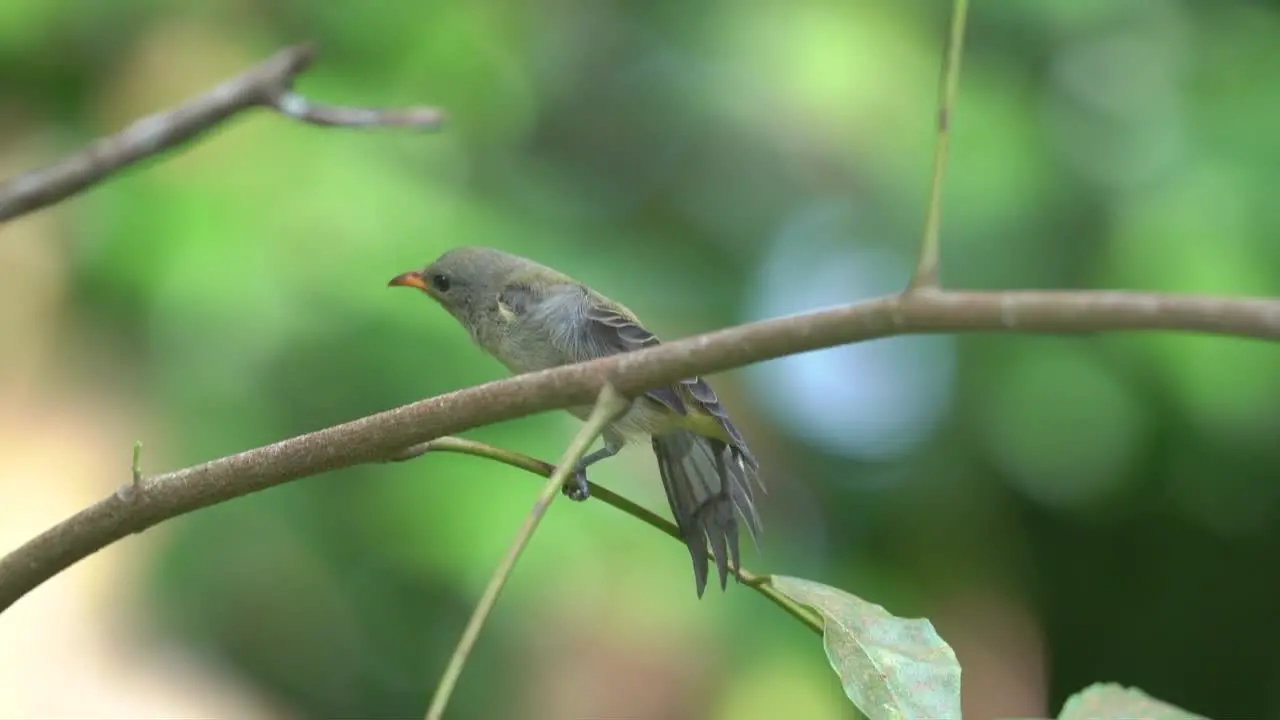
{"type": "Point", "coordinates": [1066, 510]}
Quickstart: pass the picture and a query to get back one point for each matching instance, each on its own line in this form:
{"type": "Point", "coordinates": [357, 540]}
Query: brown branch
{"type": "Point", "coordinates": [266, 85]}
{"type": "Point", "coordinates": [383, 435]}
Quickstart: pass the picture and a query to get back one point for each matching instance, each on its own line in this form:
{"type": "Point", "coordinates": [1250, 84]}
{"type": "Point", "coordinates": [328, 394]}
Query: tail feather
{"type": "Point", "coordinates": [744, 501]}
{"type": "Point", "coordinates": [709, 486]}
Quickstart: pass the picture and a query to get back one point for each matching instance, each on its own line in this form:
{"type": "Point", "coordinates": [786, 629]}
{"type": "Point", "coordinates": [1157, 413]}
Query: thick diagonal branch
{"type": "Point", "coordinates": [381, 436]}
{"type": "Point", "coordinates": [266, 85]}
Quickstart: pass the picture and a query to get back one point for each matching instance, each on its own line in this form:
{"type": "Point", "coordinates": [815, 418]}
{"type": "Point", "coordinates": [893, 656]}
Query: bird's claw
{"type": "Point", "coordinates": [576, 488]}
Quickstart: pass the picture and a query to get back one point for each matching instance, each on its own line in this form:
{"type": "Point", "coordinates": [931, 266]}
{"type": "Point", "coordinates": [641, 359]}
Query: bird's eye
{"type": "Point", "coordinates": [440, 282]}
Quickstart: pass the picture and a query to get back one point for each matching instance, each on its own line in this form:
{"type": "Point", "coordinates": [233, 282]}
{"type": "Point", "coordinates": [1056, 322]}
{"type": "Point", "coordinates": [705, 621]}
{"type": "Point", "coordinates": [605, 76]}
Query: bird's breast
{"type": "Point", "coordinates": [523, 352]}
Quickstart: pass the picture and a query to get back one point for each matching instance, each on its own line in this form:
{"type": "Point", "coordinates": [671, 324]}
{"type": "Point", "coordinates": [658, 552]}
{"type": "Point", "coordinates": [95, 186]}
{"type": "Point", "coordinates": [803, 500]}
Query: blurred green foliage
{"type": "Point", "coordinates": [1122, 489]}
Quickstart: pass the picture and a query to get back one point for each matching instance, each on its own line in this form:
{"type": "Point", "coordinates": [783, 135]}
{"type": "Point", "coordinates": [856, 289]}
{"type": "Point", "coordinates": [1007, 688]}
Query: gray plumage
{"type": "Point", "coordinates": [530, 317]}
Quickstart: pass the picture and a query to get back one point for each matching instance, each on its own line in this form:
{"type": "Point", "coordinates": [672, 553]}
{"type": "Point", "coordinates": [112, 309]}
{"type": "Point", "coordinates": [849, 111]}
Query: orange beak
{"type": "Point", "coordinates": [410, 279]}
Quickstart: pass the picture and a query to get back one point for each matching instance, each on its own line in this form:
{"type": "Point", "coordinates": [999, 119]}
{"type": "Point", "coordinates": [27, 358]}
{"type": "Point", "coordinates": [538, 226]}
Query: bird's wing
{"type": "Point", "coordinates": [609, 328]}
{"type": "Point", "coordinates": [706, 478]}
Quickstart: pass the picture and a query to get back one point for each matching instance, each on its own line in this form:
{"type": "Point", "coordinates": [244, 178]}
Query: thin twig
{"type": "Point", "coordinates": [377, 437]}
{"type": "Point", "coordinates": [266, 85]}
{"type": "Point", "coordinates": [128, 492]}
{"type": "Point", "coordinates": [137, 463]}
{"type": "Point", "coordinates": [300, 108]}
{"type": "Point", "coordinates": [926, 276]}
{"type": "Point", "coordinates": [759, 583]}
{"type": "Point", "coordinates": [608, 408]}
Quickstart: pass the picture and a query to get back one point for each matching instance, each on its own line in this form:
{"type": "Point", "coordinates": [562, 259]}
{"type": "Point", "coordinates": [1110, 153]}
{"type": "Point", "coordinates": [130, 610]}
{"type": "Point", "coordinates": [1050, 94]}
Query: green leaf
{"type": "Point", "coordinates": [890, 667]}
{"type": "Point", "coordinates": [1107, 701]}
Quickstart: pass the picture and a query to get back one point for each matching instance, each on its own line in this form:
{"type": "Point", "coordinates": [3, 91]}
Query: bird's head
{"type": "Point", "coordinates": [463, 278]}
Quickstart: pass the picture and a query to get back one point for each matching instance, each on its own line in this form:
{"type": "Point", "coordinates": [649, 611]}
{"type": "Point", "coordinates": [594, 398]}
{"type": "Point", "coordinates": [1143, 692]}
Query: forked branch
{"type": "Point", "coordinates": [267, 85]}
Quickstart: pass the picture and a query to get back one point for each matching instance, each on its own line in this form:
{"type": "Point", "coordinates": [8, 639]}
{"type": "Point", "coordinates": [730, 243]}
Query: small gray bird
{"type": "Point", "coordinates": [530, 317]}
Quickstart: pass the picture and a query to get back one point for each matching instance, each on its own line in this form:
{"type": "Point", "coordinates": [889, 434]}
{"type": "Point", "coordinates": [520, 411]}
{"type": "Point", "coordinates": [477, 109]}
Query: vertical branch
{"type": "Point", "coordinates": [608, 407]}
{"type": "Point", "coordinates": [136, 467]}
{"type": "Point", "coordinates": [926, 274]}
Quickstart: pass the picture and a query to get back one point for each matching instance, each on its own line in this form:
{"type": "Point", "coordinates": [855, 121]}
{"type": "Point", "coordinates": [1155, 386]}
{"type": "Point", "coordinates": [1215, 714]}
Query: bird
{"type": "Point", "coordinates": [530, 317]}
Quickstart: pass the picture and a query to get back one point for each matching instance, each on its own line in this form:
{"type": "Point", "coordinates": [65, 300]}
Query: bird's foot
{"type": "Point", "coordinates": [576, 488]}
